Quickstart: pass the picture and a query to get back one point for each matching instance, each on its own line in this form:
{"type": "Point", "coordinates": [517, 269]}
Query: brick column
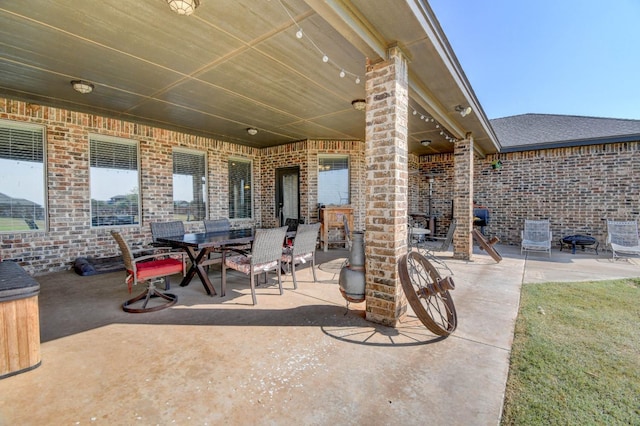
{"type": "Point", "coordinates": [386, 201]}
{"type": "Point", "coordinates": [462, 198]}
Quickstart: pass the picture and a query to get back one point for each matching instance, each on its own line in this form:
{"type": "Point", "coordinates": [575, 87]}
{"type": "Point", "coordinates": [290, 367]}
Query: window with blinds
{"type": "Point", "coordinates": [189, 186]}
{"type": "Point", "coordinates": [240, 187]}
{"type": "Point", "coordinates": [22, 177]}
{"type": "Point", "coordinates": [333, 180]}
{"type": "Point", "coordinates": [114, 181]}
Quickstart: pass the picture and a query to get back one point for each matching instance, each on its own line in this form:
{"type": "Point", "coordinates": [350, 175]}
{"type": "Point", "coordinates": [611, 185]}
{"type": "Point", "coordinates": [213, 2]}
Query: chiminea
{"type": "Point", "coordinates": [351, 279]}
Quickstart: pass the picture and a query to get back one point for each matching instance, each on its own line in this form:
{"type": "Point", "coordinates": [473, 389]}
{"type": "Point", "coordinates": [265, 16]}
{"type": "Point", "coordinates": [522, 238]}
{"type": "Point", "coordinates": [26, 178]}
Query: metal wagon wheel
{"type": "Point", "coordinates": [428, 294]}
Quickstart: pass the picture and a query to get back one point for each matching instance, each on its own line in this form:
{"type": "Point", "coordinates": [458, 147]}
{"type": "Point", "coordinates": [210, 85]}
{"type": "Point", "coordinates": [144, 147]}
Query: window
{"type": "Point", "coordinates": [333, 179]}
{"type": "Point", "coordinates": [22, 177]}
{"type": "Point", "coordinates": [240, 189]}
{"type": "Point", "coordinates": [114, 176]}
{"type": "Point", "coordinates": [189, 186]}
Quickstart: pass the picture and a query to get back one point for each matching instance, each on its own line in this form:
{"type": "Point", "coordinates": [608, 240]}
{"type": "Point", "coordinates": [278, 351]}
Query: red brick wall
{"type": "Point", "coordinates": [576, 188]}
{"type": "Point", "coordinates": [70, 235]}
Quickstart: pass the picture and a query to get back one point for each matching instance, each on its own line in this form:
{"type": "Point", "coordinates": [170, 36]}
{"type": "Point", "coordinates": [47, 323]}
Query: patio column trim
{"type": "Point", "coordinates": [386, 199]}
{"type": "Point", "coordinates": [462, 197]}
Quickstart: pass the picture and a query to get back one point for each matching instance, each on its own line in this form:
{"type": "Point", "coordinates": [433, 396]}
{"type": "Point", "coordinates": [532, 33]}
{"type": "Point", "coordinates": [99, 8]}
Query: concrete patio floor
{"type": "Point", "coordinates": [300, 358]}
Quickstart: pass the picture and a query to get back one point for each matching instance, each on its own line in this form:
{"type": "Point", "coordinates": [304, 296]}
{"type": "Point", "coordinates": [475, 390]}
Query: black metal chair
{"type": "Point", "coordinates": [292, 224]}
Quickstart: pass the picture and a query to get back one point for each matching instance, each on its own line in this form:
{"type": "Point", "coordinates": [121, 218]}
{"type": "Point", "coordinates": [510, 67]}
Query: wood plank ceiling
{"type": "Point", "coordinates": [235, 64]}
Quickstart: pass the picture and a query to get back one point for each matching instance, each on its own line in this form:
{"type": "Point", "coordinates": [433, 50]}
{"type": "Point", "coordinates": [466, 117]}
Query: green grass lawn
{"type": "Point", "coordinates": [12, 224]}
{"type": "Point", "coordinates": [576, 355]}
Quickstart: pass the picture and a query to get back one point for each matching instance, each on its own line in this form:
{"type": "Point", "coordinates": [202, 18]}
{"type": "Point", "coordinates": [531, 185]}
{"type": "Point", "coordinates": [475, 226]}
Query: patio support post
{"type": "Point", "coordinates": [462, 197]}
{"type": "Point", "coordinates": [386, 199]}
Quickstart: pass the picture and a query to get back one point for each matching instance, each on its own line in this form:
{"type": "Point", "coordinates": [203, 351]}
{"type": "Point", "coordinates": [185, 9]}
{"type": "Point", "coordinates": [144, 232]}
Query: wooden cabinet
{"type": "Point", "coordinates": [332, 229]}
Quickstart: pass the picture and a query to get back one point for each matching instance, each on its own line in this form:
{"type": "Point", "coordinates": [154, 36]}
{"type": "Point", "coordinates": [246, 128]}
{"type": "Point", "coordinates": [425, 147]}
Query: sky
{"type": "Point", "coordinates": [573, 57]}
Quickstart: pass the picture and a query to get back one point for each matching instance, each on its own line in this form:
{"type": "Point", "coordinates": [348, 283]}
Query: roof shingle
{"type": "Point", "coordinates": [529, 130]}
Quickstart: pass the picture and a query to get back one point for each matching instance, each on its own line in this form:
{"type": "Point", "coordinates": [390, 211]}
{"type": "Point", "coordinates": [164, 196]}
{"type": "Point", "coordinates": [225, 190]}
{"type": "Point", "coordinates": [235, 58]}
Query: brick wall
{"type": "Point", "coordinates": [305, 155]}
{"type": "Point", "coordinates": [70, 235]}
{"type": "Point", "coordinates": [575, 187]}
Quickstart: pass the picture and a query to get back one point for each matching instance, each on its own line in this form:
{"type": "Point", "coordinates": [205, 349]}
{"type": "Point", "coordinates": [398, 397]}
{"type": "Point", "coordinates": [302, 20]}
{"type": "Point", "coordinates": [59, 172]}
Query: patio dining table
{"type": "Point", "coordinates": [199, 245]}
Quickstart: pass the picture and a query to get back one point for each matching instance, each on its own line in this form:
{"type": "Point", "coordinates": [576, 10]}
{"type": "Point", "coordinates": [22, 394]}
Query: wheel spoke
{"type": "Point", "coordinates": [428, 294]}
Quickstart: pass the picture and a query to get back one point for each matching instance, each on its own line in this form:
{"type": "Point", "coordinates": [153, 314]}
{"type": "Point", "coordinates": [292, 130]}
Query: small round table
{"type": "Point", "coordinates": [579, 240]}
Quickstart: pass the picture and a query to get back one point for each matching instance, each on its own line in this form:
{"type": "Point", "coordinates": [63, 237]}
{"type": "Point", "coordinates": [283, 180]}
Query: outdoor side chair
{"type": "Point", "coordinates": [148, 269]}
{"type": "Point", "coordinates": [216, 225]}
{"type": "Point", "coordinates": [622, 237]}
{"type": "Point", "coordinates": [303, 250]}
{"type": "Point", "coordinates": [292, 224]}
{"type": "Point", "coordinates": [536, 236]}
{"type": "Point", "coordinates": [265, 256]}
{"type": "Point", "coordinates": [165, 229]}
{"type": "Point", "coordinates": [221, 225]}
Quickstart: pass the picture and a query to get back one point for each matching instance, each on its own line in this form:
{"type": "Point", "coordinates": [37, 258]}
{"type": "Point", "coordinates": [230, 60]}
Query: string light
{"type": "Point", "coordinates": [299, 35]}
{"type": "Point", "coordinates": [427, 119]}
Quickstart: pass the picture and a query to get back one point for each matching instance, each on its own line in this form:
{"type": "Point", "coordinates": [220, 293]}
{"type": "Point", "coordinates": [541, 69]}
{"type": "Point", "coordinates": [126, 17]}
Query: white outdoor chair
{"type": "Point", "coordinates": [622, 237]}
{"type": "Point", "coordinates": [536, 236]}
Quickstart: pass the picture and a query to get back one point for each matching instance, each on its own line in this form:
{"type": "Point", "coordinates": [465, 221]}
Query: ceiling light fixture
{"type": "Point", "coordinates": [463, 111]}
{"type": "Point", "coordinates": [82, 86]}
{"type": "Point", "coordinates": [252, 131]}
{"type": "Point", "coordinates": [183, 7]}
{"type": "Point", "coordinates": [359, 104]}
{"type": "Point", "coordinates": [425, 142]}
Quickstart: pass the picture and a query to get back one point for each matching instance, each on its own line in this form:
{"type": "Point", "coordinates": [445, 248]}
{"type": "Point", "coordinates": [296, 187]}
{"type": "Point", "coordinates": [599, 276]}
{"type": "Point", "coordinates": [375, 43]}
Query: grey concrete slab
{"type": "Point", "coordinates": [299, 358]}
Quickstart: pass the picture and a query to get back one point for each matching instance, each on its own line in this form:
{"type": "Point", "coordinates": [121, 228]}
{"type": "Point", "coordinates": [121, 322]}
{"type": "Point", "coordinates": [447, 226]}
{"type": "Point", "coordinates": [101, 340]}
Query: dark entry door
{"type": "Point", "coordinates": [287, 193]}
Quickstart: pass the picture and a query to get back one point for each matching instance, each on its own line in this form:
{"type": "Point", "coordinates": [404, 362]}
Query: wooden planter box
{"type": "Point", "coordinates": [19, 320]}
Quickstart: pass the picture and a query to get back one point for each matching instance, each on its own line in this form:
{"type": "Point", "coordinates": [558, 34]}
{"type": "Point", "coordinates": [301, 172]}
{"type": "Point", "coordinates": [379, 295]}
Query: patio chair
{"type": "Point", "coordinates": [159, 230]}
{"type": "Point", "coordinates": [216, 225]}
{"type": "Point", "coordinates": [622, 237]}
{"type": "Point", "coordinates": [221, 225]}
{"type": "Point", "coordinates": [427, 245]}
{"type": "Point", "coordinates": [165, 229]}
{"type": "Point", "coordinates": [445, 242]}
{"type": "Point", "coordinates": [303, 250]}
{"type": "Point", "coordinates": [265, 256]}
{"type": "Point", "coordinates": [292, 224]}
{"type": "Point", "coordinates": [536, 236]}
{"type": "Point", "coordinates": [149, 269]}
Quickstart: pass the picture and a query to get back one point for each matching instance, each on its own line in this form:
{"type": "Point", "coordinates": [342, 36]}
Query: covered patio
{"type": "Point", "coordinates": [297, 358]}
{"type": "Point", "coordinates": [271, 83]}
